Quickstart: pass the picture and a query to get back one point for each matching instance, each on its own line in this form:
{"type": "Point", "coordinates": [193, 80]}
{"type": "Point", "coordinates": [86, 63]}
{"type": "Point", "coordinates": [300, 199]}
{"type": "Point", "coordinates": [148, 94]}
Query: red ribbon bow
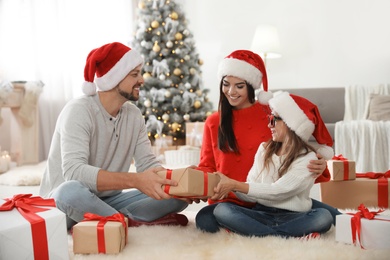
{"type": "Point", "coordinates": [26, 205]}
{"type": "Point", "coordinates": [340, 157]}
{"type": "Point", "coordinates": [356, 221]}
{"type": "Point", "coordinates": [383, 189]}
{"type": "Point", "coordinates": [118, 217]}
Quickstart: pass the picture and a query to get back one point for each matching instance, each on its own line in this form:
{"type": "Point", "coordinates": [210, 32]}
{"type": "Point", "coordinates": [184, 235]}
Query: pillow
{"type": "Point", "coordinates": [379, 107]}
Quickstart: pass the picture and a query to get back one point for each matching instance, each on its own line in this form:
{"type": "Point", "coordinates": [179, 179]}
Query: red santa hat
{"type": "Point", "coordinates": [303, 117]}
{"type": "Point", "coordinates": [245, 65]}
{"type": "Point", "coordinates": [111, 63]}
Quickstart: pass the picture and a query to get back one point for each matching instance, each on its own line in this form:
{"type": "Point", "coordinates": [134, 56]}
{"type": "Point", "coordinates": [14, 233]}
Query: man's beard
{"type": "Point", "coordinates": [128, 95]}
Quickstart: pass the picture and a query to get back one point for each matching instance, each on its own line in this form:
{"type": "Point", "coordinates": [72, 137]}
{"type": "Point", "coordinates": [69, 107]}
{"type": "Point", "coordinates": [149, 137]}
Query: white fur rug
{"type": "Point", "coordinates": [159, 242]}
{"type": "Point", "coordinates": [25, 175]}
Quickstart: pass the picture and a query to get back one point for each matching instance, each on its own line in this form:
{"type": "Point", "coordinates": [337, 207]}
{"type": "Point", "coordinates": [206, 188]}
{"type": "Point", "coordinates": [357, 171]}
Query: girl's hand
{"type": "Point", "coordinates": [223, 188]}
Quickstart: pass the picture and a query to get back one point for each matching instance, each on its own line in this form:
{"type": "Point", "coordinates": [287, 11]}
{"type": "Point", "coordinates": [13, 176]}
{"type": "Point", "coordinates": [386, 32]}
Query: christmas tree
{"type": "Point", "coordinates": [173, 92]}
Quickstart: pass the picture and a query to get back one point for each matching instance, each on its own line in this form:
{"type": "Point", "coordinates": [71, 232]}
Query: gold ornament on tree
{"type": "Point", "coordinates": [178, 36]}
{"type": "Point", "coordinates": [177, 72]}
{"type": "Point", "coordinates": [146, 75]}
{"type": "Point", "coordinates": [174, 16]}
{"type": "Point", "coordinates": [175, 127]}
{"type": "Point", "coordinates": [155, 24]}
{"type": "Point", "coordinates": [197, 104]}
{"type": "Point", "coordinates": [156, 47]}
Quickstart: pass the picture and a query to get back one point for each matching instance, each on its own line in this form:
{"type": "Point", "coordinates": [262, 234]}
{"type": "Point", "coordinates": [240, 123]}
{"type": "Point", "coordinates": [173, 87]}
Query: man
{"type": "Point", "coordinates": [95, 140]}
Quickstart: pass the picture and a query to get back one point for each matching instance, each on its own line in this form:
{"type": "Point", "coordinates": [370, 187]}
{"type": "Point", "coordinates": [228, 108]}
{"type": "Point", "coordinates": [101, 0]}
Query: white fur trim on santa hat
{"type": "Point", "coordinates": [264, 96]}
{"type": "Point", "coordinates": [118, 72]}
{"type": "Point", "coordinates": [89, 88]}
{"type": "Point", "coordinates": [240, 69]}
{"type": "Point", "coordinates": [327, 152]}
{"type": "Point", "coordinates": [294, 117]}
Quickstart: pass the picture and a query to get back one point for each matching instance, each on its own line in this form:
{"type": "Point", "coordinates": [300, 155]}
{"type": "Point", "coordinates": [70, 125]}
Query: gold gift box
{"type": "Point", "coordinates": [191, 182]}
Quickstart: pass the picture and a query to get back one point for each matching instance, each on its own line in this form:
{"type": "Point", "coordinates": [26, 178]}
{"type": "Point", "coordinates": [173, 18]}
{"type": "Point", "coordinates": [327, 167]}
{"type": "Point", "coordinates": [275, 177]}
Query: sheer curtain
{"type": "Point", "coordinates": [49, 40]}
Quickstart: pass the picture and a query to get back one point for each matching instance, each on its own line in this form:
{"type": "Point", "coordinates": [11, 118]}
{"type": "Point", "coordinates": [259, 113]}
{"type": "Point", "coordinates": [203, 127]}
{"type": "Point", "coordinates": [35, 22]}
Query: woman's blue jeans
{"type": "Point", "coordinates": [262, 221]}
{"type": "Point", "coordinates": [74, 199]}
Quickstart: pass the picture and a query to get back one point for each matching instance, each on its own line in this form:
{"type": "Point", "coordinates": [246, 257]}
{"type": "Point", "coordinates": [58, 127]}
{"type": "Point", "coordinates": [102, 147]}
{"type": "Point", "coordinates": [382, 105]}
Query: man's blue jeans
{"type": "Point", "coordinates": [262, 221]}
{"type": "Point", "coordinates": [74, 200]}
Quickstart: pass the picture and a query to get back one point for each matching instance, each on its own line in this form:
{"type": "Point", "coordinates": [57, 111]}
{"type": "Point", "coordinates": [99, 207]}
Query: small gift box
{"type": "Point", "coordinates": [194, 133]}
{"type": "Point", "coordinates": [371, 189]}
{"type": "Point", "coordinates": [32, 228]}
{"type": "Point", "coordinates": [191, 182]}
{"type": "Point", "coordinates": [369, 229]}
{"type": "Point", "coordinates": [97, 234]}
{"type": "Point", "coordinates": [341, 169]}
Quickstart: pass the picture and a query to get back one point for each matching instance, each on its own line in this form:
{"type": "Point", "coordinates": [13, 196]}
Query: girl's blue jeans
{"type": "Point", "coordinates": [262, 221]}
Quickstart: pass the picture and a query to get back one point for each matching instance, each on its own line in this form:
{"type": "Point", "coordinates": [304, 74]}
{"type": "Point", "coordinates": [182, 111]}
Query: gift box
{"type": "Point", "coordinates": [40, 233]}
{"type": "Point", "coordinates": [183, 156]}
{"type": "Point", "coordinates": [191, 182]}
{"type": "Point", "coordinates": [97, 234]}
{"type": "Point", "coordinates": [160, 150]}
{"type": "Point", "coordinates": [194, 133]}
{"type": "Point", "coordinates": [374, 233]}
{"type": "Point", "coordinates": [350, 194]}
{"type": "Point", "coordinates": [341, 169]}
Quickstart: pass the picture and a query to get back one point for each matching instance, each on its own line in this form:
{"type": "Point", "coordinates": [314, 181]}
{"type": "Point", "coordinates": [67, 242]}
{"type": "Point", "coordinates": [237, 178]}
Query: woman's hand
{"type": "Point", "coordinates": [317, 166]}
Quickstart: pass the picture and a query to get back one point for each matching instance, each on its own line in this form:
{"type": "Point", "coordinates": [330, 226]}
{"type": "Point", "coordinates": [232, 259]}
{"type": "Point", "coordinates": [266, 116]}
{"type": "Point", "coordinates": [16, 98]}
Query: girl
{"type": "Point", "coordinates": [279, 182]}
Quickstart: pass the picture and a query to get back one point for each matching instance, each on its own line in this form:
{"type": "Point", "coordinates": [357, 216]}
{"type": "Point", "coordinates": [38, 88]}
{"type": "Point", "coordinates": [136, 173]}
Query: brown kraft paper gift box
{"type": "Point", "coordinates": [337, 170]}
{"type": "Point", "coordinates": [85, 240]}
{"type": "Point", "coordinates": [191, 182]}
{"type": "Point", "coordinates": [350, 194]}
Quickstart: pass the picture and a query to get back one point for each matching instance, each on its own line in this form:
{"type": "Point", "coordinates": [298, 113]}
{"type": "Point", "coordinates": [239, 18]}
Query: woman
{"type": "Point", "coordinates": [279, 181]}
{"type": "Point", "coordinates": [232, 135]}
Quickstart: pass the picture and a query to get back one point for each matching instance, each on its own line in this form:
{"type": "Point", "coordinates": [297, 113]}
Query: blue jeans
{"type": "Point", "coordinates": [334, 211]}
{"type": "Point", "coordinates": [74, 199]}
{"type": "Point", "coordinates": [262, 221]}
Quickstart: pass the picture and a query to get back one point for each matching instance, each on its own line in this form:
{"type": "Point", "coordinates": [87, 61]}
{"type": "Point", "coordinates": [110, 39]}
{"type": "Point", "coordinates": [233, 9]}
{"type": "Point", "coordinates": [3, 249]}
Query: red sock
{"type": "Point", "coordinates": [172, 219]}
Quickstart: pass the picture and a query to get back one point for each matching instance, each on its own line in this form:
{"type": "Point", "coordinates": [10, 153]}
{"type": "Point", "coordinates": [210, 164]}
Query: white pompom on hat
{"type": "Point", "coordinates": [303, 117]}
{"type": "Point", "coordinates": [245, 65]}
{"type": "Point", "coordinates": [111, 63]}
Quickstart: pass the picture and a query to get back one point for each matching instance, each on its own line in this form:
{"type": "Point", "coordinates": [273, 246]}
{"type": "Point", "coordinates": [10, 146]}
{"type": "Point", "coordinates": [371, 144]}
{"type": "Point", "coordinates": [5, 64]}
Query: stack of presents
{"type": "Point", "coordinates": [180, 152]}
{"type": "Point", "coordinates": [33, 228]}
{"type": "Point", "coordinates": [356, 192]}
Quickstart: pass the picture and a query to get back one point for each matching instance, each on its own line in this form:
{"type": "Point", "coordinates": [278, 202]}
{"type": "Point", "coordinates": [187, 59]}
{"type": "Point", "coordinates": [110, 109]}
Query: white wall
{"type": "Point", "coordinates": [325, 43]}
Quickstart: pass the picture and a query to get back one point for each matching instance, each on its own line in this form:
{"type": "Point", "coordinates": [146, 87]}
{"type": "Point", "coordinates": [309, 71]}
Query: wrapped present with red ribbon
{"type": "Point", "coordinates": [191, 182]}
{"type": "Point", "coordinates": [371, 189]}
{"type": "Point", "coordinates": [32, 228]}
{"type": "Point", "coordinates": [367, 229]}
{"type": "Point", "coordinates": [341, 169]}
{"type": "Point", "coordinates": [97, 234]}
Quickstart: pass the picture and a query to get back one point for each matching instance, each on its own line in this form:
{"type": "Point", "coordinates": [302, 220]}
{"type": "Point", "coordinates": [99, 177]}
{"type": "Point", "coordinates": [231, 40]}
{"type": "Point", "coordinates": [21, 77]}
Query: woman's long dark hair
{"type": "Point", "coordinates": [226, 139]}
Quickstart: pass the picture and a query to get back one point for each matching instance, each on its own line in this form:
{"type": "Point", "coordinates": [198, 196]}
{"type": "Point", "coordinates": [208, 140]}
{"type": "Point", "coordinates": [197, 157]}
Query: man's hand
{"type": "Point", "coordinates": [317, 166]}
{"type": "Point", "coordinates": [151, 184]}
